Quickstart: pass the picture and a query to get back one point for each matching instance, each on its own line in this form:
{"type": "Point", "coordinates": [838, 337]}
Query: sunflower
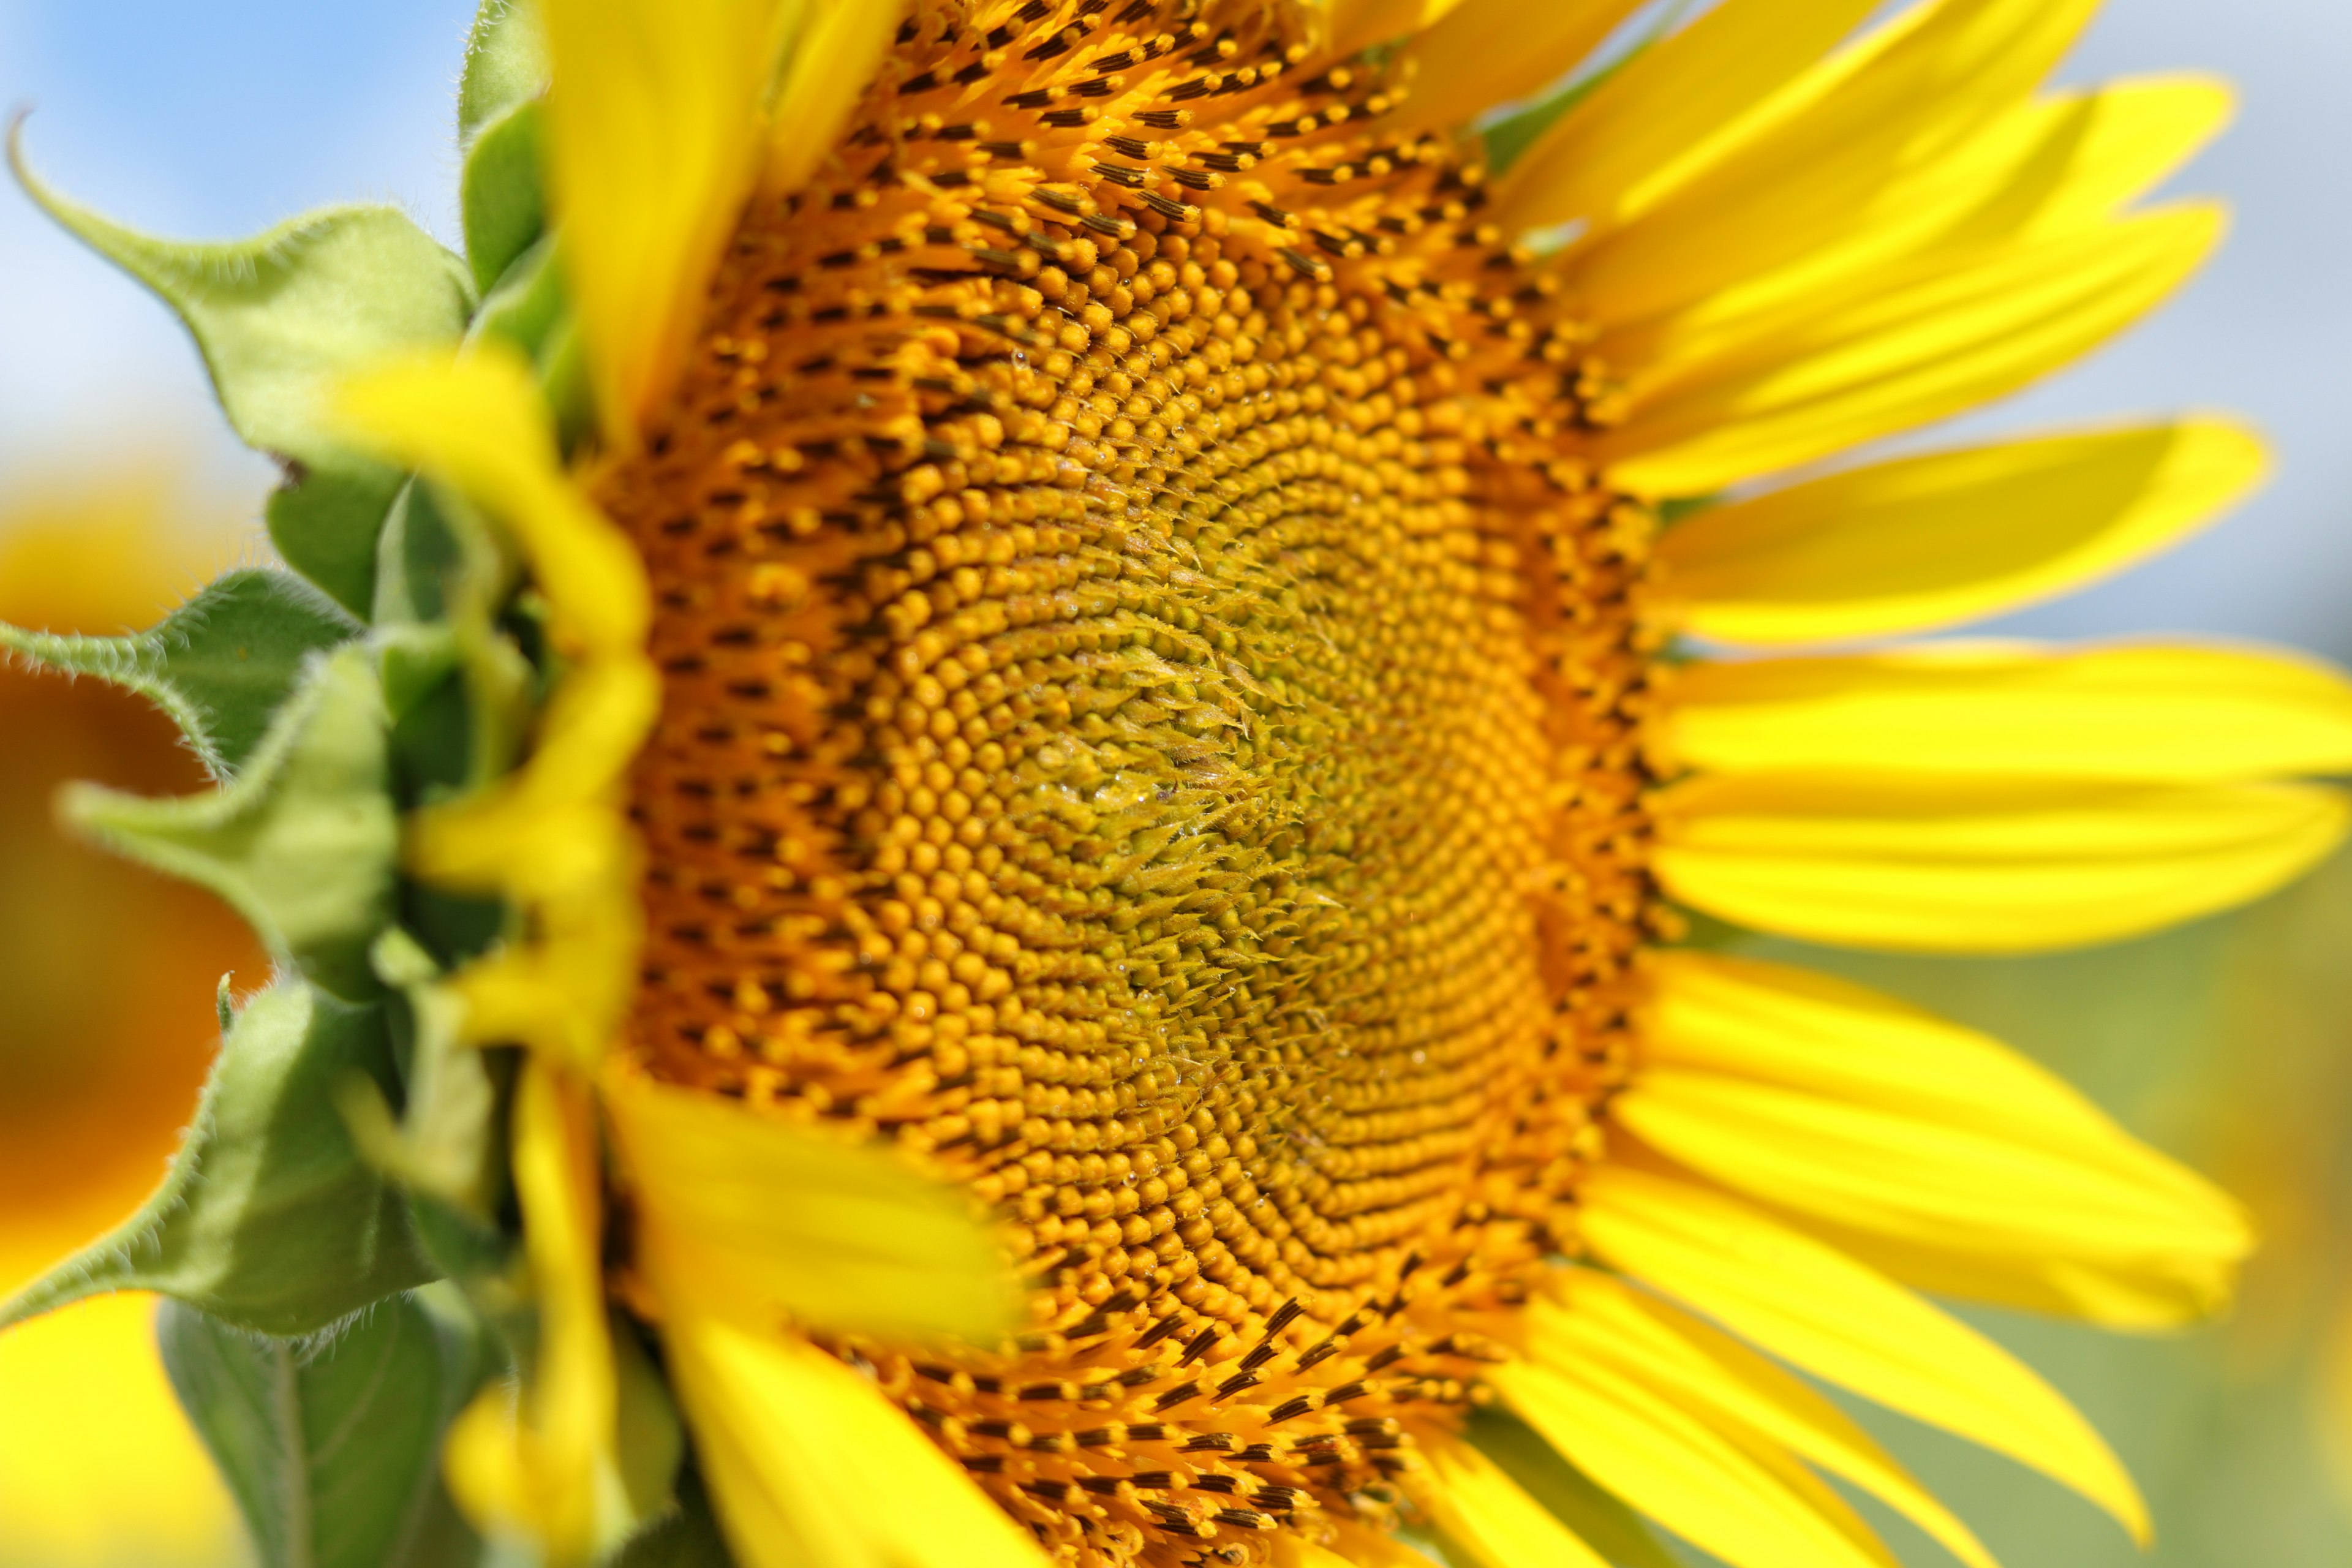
{"type": "Point", "coordinates": [1048, 631]}
{"type": "Point", "coordinates": [101, 1058]}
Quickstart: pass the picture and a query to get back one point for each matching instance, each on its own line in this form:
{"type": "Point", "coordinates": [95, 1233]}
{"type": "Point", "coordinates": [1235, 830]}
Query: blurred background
{"type": "Point", "coordinates": [2229, 1042]}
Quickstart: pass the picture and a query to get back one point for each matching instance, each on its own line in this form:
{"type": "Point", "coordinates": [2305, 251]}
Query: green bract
{"type": "Point", "coordinates": [349, 1148]}
{"type": "Point", "coordinates": [269, 1218]}
{"type": "Point", "coordinates": [332, 1445]}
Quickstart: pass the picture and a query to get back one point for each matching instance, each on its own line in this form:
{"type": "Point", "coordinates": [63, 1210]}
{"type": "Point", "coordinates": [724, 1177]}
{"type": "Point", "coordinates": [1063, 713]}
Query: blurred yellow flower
{"type": "Point", "coordinates": [106, 968]}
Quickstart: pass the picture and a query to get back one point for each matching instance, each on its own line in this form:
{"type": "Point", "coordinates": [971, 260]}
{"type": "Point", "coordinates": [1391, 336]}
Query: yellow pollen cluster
{"type": "Point", "coordinates": [1151, 726]}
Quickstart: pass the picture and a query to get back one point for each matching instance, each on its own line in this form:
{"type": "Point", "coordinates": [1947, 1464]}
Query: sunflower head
{"type": "Point", "coordinates": [1006, 788]}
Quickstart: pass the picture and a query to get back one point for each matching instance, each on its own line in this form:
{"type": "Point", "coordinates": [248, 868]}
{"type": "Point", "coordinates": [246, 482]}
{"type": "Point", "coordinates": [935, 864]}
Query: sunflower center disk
{"type": "Point", "coordinates": [1150, 726]}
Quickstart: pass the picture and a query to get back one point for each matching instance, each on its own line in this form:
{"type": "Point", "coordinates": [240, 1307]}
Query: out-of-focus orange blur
{"type": "Point", "coordinates": [106, 1026]}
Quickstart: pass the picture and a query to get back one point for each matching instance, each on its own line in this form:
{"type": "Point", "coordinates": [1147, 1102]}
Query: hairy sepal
{"type": "Point", "coordinates": [331, 1447]}
{"type": "Point", "coordinates": [506, 66]}
{"type": "Point", "coordinates": [221, 666]}
{"type": "Point", "coordinates": [304, 843]}
{"type": "Point", "coordinates": [279, 318]}
{"type": "Point", "coordinates": [267, 1218]}
{"type": "Point", "coordinates": [502, 198]}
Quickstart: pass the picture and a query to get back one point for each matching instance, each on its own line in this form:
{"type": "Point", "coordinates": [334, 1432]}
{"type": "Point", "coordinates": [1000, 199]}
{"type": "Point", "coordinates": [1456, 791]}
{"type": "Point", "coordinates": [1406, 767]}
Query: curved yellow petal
{"type": "Point", "coordinates": [1587, 1314]}
{"type": "Point", "coordinates": [2163, 714]}
{"type": "Point", "coordinates": [552, 835]}
{"type": "Point", "coordinates": [2121, 1234]}
{"type": "Point", "coordinates": [1489, 1516]}
{"type": "Point", "coordinates": [543, 1461]}
{"type": "Point", "coordinates": [654, 139]}
{"type": "Point", "coordinates": [1485, 53]}
{"type": "Point", "coordinates": [1929, 541]}
{"type": "Point", "coordinates": [1907, 864]}
{"type": "Point", "coordinates": [746, 1215]}
{"type": "Point", "coordinates": [1826, 161]}
{"type": "Point", "coordinates": [1814, 379]}
{"type": "Point", "coordinates": [1809, 1305]}
{"type": "Point", "coordinates": [1963, 1190]}
{"type": "Point", "coordinates": [2044, 168]}
{"type": "Point", "coordinates": [808, 1464]}
{"type": "Point", "coordinates": [477, 422]}
{"type": "Point", "coordinates": [1748, 1503]}
{"type": "Point", "coordinates": [826, 74]}
{"type": "Point", "coordinates": [1593, 163]}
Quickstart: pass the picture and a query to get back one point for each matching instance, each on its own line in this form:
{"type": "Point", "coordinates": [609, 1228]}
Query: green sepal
{"type": "Point", "coordinates": [651, 1439]}
{"type": "Point", "coordinates": [502, 197]}
{"type": "Point", "coordinates": [505, 65]}
{"type": "Point", "coordinates": [686, 1537]}
{"type": "Point", "coordinates": [500, 194]}
{"type": "Point", "coordinates": [332, 1447]}
{"type": "Point", "coordinates": [528, 308]}
{"type": "Point", "coordinates": [221, 665]}
{"type": "Point", "coordinates": [1573, 1498]}
{"type": "Point", "coordinates": [279, 318]}
{"type": "Point", "coordinates": [267, 1217]}
{"type": "Point", "coordinates": [303, 843]}
{"type": "Point", "coordinates": [449, 1144]}
{"type": "Point", "coordinates": [531, 310]}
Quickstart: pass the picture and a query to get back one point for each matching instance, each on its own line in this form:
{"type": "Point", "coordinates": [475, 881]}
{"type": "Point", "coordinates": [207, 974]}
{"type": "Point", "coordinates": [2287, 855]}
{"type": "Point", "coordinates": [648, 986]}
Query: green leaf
{"type": "Point", "coordinates": [221, 665]}
{"type": "Point", "coordinates": [332, 1447]}
{"type": "Point", "coordinates": [267, 1217]}
{"type": "Point", "coordinates": [505, 65]}
{"type": "Point", "coordinates": [303, 843]}
{"type": "Point", "coordinates": [277, 319]}
{"type": "Point", "coordinates": [1604, 1523]}
{"type": "Point", "coordinates": [500, 194]}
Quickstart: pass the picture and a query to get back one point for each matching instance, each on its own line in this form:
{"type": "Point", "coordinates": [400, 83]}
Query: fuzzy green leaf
{"type": "Point", "coordinates": [500, 194]}
{"type": "Point", "coordinates": [1602, 1522]}
{"type": "Point", "coordinates": [505, 65]}
{"type": "Point", "coordinates": [303, 843]}
{"type": "Point", "coordinates": [279, 318]}
{"type": "Point", "coordinates": [221, 665]}
{"type": "Point", "coordinates": [267, 1217]}
{"type": "Point", "coordinates": [332, 1447]}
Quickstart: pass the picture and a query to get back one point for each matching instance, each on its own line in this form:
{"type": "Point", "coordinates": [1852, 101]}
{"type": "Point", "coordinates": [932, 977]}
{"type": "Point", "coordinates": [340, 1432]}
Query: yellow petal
{"type": "Point", "coordinates": [1485, 53]}
{"type": "Point", "coordinates": [1751, 1505]}
{"type": "Point", "coordinates": [1961, 1190]}
{"type": "Point", "coordinates": [543, 1462]}
{"type": "Point", "coordinates": [1488, 1515]}
{"type": "Point", "coordinates": [477, 422]}
{"type": "Point", "coordinates": [1586, 1314]}
{"type": "Point", "coordinates": [1930, 541]}
{"type": "Point", "coordinates": [2161, 714]}
{"type": "Point", "coordinates": [1902, 863]}
{"type": "Point", "coordinates": [2115, 1232]}
{"type": "Point", "coordinates": [742, 1214]}
{"type": "Point", "coordinates": [654, 138]}
{"type": "Point", "coordinates": [1825, 160]}
{"type": "Point", "coordinates": [809, 1464]}
{"type": "Point", "coordinates": [1665, 102]}
{"type": "Point", "coordinates": [1820, 377]}
{"type": "Point", "coordinates": [2043, 168]}
{"type": "Point", "coordinates": [827, 73]}
{"type": "Point", "coordinates": [1812, 1306]}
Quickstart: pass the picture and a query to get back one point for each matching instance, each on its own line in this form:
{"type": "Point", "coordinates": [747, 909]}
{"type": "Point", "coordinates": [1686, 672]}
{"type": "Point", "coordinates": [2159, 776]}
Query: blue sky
{"type": "Point", "coordinates": [216, 119]}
